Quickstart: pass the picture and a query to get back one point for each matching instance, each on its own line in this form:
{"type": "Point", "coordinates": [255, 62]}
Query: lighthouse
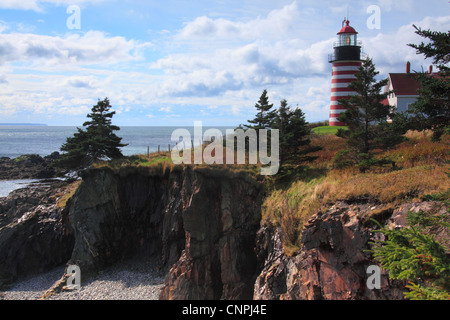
{"type": "Point", "coordinates": [346, 61]}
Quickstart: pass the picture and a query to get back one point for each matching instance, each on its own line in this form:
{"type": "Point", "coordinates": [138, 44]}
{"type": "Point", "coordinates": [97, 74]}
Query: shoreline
{"type": "Point", "coordinates": [133, 279]}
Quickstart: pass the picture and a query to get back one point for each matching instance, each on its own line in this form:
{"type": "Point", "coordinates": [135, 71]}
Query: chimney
{"type": "Point", "coordinates": [430, 69]}
{"type": "Point", "coordinates": [408, 67]}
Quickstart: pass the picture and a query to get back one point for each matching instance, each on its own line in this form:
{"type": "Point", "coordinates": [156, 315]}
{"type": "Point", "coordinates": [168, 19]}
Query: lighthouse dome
{"type": "Point", "coordinates": [347, 28]}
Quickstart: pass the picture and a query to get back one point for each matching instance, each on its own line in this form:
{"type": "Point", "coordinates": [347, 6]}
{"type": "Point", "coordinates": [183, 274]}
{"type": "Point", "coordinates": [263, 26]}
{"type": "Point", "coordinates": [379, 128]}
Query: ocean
{"type": "Point", "coordinates": [43, 140]}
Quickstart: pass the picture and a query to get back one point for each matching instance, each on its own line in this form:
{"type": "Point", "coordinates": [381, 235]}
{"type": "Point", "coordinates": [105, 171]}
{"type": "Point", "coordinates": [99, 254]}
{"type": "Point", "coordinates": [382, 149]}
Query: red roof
{"type": "Point", "coordinates": [404, 84]}
{"type": "Point", "coordinates": [347, 28]}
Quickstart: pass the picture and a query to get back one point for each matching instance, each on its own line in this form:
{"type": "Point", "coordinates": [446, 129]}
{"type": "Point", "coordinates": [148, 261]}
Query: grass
{"type": "Point", "coordinates": [327, 129]}
{"type": "Point", "coordinates": [67, 193]}
{"type": "Point", "coordinates": [422, 169]}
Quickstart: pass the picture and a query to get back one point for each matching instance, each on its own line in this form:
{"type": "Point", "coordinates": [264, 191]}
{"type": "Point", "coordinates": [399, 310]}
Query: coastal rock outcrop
{"type": "Point", "coordinates": [30, 166]}
{"type": "Point", "coordinates": [33, 234]}
{"type": "Point", "coordinates": [203, 226]}
{"type": "Point", "coordinates": [200, 224]}
{"type": "Point", "coordinates": [220, 219]}
{"type": "Point", "coordinates": [333, 262]}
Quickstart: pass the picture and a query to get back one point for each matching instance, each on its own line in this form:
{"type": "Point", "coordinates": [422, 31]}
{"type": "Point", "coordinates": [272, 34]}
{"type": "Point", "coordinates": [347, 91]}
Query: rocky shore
{"type": "Point", "coordinates": [30, 166]}
{"type": "Point", "coordinates": [186, 233]}
{"type": "Point", "coordinates": [35, 246]}
{"type": "Point", "coordinates": [135, 279]}
{"type": "Point", "coordinates": [33, 236]}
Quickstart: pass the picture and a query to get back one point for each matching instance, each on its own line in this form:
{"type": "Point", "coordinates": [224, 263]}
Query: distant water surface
{"type": "Point", "coordinates": [43, 140]}
{"type": "Point", "coordinates": [10, 185]}
{"type": "Point", "coordinates": [18, 140]}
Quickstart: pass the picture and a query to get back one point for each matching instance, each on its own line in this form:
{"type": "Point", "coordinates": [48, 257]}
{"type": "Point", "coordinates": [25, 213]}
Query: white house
{"type": "Point", "coordinates": [405, 87]}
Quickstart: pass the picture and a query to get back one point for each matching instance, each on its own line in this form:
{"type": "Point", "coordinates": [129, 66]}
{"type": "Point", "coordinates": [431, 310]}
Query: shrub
{"type": "Point", "coordinates": [411, 254]}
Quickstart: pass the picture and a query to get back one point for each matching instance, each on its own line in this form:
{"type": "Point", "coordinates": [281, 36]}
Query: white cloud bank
{"type": "Point", "coordinates": [90, 48]}
{"type": "Point", "coordinates": [223, 67]}
{"type": "Point", "coordinates": [37, 5]}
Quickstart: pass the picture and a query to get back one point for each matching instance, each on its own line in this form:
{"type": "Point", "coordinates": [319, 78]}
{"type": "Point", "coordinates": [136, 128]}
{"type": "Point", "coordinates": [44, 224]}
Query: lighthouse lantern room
{"type": "Point", "coordinates": [346, 61]}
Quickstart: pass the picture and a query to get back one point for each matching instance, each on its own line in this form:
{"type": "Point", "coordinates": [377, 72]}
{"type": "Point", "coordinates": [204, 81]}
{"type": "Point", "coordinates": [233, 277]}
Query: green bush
{"type": "Point", "coordinates": [411, 254]}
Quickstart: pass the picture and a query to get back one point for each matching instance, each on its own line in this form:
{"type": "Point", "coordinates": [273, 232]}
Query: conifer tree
{"type": "Point", "coordinates": [97, 142]}
{"type": "Point", "coordinates": [264, 116]}
{"type": "Point", "coordinates": [411, 253]}
{"type": "Point", "coordinates": [432, 108]}
{"type": "Point", "coordinates": [294, 135]}
{"type": "Point", "coordinates": [366, 117]}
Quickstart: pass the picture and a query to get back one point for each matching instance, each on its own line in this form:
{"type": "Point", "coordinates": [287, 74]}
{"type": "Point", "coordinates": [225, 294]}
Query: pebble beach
{"type": "Point", "coordinates": [130, 280]}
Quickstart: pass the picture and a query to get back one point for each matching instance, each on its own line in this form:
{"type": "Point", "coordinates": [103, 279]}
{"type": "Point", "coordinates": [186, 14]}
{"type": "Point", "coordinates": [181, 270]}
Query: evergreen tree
{"type": "Point", "coordinates": [411, 253]}
{"type": "Point", "coordinates": [366, 117]}
{"type": "Point", "coordinates": [264, 116]}
{"type": "Point", "coordinates": [97, 142]}
{"type": "Point", "coordinates": [432, 108]}
{"type": "Point", "coordinates": [294, 135]}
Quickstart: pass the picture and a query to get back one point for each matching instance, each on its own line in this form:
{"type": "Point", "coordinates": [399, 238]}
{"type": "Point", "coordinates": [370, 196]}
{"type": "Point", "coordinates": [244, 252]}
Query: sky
{"type": "Point", "coordinates": [175, 62]}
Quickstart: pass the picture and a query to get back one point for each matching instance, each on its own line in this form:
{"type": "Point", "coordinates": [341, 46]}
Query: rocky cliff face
{"type": "Point", "coordinates": [201, 226]}
{"type": "Point", "coordinates": [204, 227]}
{"type": "Point", "coordinates": [33, 235]}
{"type": "Point", "coordinates": [333, 262]}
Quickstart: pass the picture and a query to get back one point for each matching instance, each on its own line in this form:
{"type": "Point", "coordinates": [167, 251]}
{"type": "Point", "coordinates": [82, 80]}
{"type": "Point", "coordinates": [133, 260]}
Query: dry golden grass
{"type": "Point", "coordinates": [330, 144]}
{"type": "Point", "coordinates": [420, 150]}
{"type": "Point", "coordinates": [67, 193]}
{"type": "Point", "coordinates": [423, 170]}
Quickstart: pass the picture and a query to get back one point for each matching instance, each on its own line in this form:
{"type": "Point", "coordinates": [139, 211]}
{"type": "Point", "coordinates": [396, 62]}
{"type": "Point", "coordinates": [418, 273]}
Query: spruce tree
{"type": "Point", "coordinates": [97, 142]}
{"type": "Point", "coordinates": [366, 117]}
{"type": "Point", "coordinates": [264, 116]}
{"type": "Point", "coordinates": [294, 135]}
{"type": "Point", "coordinates": [432, 108]}
{"type": "Point", "coordinates": [412, 253]}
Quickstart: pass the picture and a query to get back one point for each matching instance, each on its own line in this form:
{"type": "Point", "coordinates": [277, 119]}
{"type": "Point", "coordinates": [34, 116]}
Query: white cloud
{"type": "Point", "coordinates": [84, 82]}
{"type": "Point", "coordinates": [36, 5]}
{"type": "Point", "coordinates": [90, 48]}
{"type": "Point", "coordinates": [276, 24]}
{"type": "Point", "coordinates": [391, 51]}
{"type": "Point", "coordinates": [21, 5]}
{"type": "Point", "coordinates": [3, 26]}
{"type": "Point", "coordinates": [3, 79]}
{"type": "Point", "coordinates": [236, 109]}
{"type": "Point", "coordinates": [167, 109]}
{"type": "Point", "coordinates": [397, 5]}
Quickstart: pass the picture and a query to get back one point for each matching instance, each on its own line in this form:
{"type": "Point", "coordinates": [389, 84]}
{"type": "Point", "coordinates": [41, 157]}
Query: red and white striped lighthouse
{"type": "Point", "coordinates": [346, 61]}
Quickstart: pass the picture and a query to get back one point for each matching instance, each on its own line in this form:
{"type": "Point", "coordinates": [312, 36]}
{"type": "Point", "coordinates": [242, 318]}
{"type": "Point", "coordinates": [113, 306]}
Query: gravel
{"type": "Point", "coordinates": [130, 280]}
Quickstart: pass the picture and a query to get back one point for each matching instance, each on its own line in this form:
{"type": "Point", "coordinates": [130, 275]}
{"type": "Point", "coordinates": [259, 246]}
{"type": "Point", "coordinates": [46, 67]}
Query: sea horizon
{"type": "Point", "coordinates": [17, 140]}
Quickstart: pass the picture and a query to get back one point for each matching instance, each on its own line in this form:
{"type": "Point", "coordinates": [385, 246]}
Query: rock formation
{"type": "Point", "coordinates": [33, 237]}
{"type": "Point", "coordinates": [334, 259]}
{"type": "Point", "coordinates": [204, 226]}
{"type": "Point", "coordinates": [30, 166]}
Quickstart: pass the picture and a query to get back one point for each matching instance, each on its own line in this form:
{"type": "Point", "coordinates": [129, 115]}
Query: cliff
{"type": "Point", "coordinates": [204, 227]}
{"type": "Point", "coordinates": [34, 237]}
{"type": "Point", "coordinates": [201, 225]}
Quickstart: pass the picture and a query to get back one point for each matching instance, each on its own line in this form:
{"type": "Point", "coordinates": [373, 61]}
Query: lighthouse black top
{"type": "Point", "coordinates": [347, 47]}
